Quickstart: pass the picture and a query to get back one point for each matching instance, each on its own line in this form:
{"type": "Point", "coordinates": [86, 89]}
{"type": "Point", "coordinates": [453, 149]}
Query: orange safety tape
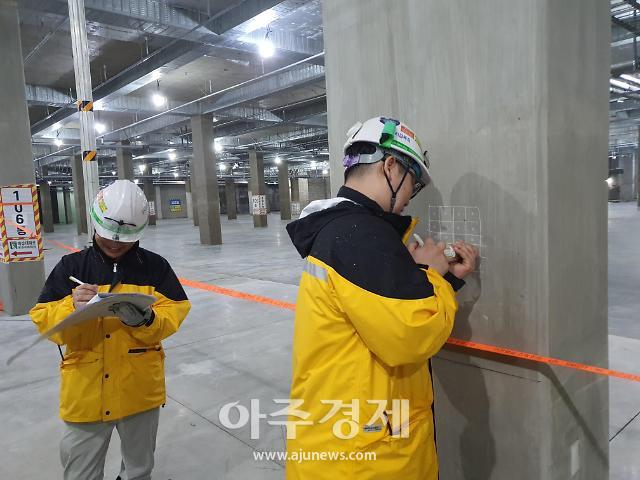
{"type": "Point", "coordinates": [237, 294]}
{"type": "Point", "coordinates": [507, 352]}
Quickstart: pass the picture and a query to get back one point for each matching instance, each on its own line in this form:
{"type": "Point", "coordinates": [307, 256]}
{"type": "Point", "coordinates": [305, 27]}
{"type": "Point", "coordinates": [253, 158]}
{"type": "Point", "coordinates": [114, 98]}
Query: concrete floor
{"type": "Point", "coordinates": [233, 350]}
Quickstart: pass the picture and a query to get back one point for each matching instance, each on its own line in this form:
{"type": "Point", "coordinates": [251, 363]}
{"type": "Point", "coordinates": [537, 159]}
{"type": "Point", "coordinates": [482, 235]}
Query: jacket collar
{"type": "Point", "coordinates": [400, 223]}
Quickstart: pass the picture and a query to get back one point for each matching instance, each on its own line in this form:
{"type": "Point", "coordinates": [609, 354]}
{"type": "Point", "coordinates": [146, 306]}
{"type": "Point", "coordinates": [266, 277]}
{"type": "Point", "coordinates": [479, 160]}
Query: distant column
{"type": "Point", "coordinates": [257, 186]}
{"type": "Point", "coordinates": [230, 195]}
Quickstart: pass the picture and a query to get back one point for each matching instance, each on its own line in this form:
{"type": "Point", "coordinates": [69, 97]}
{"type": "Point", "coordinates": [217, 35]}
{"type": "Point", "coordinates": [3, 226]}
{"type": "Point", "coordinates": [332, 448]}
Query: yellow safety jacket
{"type": "Point", "coordinates": [368, 319]}
{"type": "Point", "coordinates": [111, 370]}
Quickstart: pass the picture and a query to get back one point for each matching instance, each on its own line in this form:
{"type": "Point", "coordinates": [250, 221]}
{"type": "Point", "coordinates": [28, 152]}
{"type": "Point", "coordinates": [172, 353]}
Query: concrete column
{"type": "Point", "coordinates": [78, 194]}
{"type": "Point", "coordinates": [82, 72]}
{"type": "Point", "coordinates": [535, 76]}
{"type": "Point", "coordinates": [283, 189]}
{"type": "Point", "coordinates": [20, 282]}
{"type": "Point", "coordinates": [124, 161]}
{"type": "Point", "coordinates": [66, 195]}
{"type": "Point", "coordinates": [150, 192]}
{"type": "Point", "coordinates": [158, 202]}
{"type": "Point", "coordinates": [187, 186]}
{"type": "Point", "coordinates": [206, 180]}
{"type": "Point", "coordinates": [48, 216]}
{"type": "Point", "coordinates": [194, 199]}
{"type": "Point", "coordinates": [55, 208]}
{"type": "Point", "coordinates": [230, 195]}
{"type": "Point", "coordinates": [256, 184]}
{"type": "Point", "coordinates": [295, 189]}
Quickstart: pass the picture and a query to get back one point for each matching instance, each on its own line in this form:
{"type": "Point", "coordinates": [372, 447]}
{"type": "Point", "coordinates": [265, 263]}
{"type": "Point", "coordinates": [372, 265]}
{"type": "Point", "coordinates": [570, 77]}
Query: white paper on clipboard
{"type": "Point", "coordinates": [99, 306]}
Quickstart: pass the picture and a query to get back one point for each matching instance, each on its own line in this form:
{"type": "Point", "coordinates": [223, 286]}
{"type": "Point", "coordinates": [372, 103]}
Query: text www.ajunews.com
{"type": "Point", "coordinates": [302, 456]}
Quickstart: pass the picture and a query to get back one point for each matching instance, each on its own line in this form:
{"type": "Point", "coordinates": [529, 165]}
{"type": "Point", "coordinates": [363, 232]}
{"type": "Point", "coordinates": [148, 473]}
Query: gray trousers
{"type": "Point", "coordinates": [83, 448]}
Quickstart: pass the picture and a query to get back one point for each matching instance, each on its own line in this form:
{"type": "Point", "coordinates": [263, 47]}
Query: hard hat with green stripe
{"type": "Point", "coordinates": [120, 212]}
{"type": "Point", "coordinates": [389, 136]}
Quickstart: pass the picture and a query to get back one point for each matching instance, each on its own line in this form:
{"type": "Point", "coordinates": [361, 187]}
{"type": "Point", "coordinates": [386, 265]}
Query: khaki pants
{"type": "Point", "coordinates": [83, 448]}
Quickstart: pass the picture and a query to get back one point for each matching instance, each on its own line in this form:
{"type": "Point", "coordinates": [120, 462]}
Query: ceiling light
{"type": "Point", "coordinates": [58, 142]}
{"type": "Point", "coordinates": [142, 168]}
{"type": "Point", "coordinates": [218, 147]}
{"type": "Point", "coordinates": [235, 165]}
{"type": "Point", "coordinates": [155, 75]}
{"type": "Point", "coordinates": [215, 119]}
{"type": "Point", "coordinates": [49, 182]}
{"type": "Point", "coordinates": [175, 174]}
{"type": "Point", "coordinates": [325, 171]}
{"type": "Point", "coordinates": [158, 100]}
{"type": "Point", "coordinates": [266, 48]}
{"type": "Point", "coordinates": [278, 161]}
{"type": "Point", "coordinates": [136, 181]}
{"type": "Point", "coordinates": [631, 78]}
{"type": "Point", "coordinates": [260, 21]}
{"type": "Point", "coordinates": [56, 126]}
{"type": "Point", "coordinates": [113, 172]}
{"type": "Point", "coordinates": [100, 127]}
{"type": "Point", "coordinates": [98, 105]}
{"type": "Point", "coordinates": [223, 167]}
{"type": "Point", "coordinates": [172, 156]}
{"type": "Point", "coordinates": [313, 164]}
{"type": "Point", "coordinates": [624, 85]}
{"type": "Point", "coordinates": [610, 182]}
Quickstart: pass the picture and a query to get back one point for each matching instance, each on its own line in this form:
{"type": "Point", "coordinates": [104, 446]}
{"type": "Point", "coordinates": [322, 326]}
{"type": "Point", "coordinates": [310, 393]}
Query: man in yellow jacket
{"type": "Point", "coordinates": [112, 370]}
{"type": "Point", "coordinates": [370, 314]}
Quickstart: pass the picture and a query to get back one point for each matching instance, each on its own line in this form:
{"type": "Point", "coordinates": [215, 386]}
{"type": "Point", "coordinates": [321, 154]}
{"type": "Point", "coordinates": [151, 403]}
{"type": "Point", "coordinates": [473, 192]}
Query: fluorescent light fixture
{"type": "Point", "coordinates": [215, 119]}
{"type": "Point", "coordinates": [113, 172]}
{"type": "Point", "coordinates": [631, 78]}
{"type": "Point", "coordinates": [158, 100]}
{"type": "Point", "coordinates": [172, 156]}
{"type": "Point", "coordinates": [323, 153]}
{"type": "Point", "coordinates": [58, 142]}
{"type": "Point", "coordinates": [223, 167]}
{"type": "Point", "coordinates": [235, 165]}
{"type": "Point", "coordinates": [142, 168]}
{"type": "Point", "coordinates": [624, 85]}
{"type": "Point", "coordinates": [266, 48]}
{"type": "Point", "coordinates": [175, 174]}
{"type": "Point", "coordinates": [49, 182]}
{"type": "Point", "coordinates": [610, 182]}
{"type": "Point", "coordinates": [278, 161]}
{"type": "Point", "coordinates": [171, 150]}
{"type": "Point", "coordinates": [100, 127]}
{"type": "Point", "coordinates": [313, 164]}
{"type": "Point", "coordinates": [325, 171]}
{"type": "Point", "coordinates": [260, 21]}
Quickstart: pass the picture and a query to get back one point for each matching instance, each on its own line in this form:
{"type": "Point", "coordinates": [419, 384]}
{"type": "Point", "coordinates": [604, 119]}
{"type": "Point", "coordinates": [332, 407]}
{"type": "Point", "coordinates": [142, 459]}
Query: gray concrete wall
{"type": "Point", "coordinates": [169, 193]}
{"type": "Point", "coordinates": [317, 189]}
{"type": "Point", "coordinates": [511, 100]}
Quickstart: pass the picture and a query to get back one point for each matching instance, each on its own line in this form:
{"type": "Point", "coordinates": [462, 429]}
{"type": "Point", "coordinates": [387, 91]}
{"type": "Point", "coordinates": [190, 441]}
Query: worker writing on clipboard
{"type": "Point", "coordinates": [112, 370]}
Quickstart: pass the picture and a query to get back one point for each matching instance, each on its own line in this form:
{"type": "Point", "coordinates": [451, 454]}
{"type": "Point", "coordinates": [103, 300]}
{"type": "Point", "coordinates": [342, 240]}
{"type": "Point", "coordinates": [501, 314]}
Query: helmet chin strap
{"type": "Point", "coordinates": [394, 193]}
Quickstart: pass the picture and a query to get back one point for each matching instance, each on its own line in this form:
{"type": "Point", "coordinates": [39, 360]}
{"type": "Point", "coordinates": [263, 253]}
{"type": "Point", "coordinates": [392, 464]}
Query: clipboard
{"type": "Point", "coordinates": [99, 306]}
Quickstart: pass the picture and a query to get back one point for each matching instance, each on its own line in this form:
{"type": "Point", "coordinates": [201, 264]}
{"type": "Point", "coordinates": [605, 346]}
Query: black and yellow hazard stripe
{"type": "Point", "coordinates": [85, 106]}
{"type": "Point", "coordinates": [89, 155]}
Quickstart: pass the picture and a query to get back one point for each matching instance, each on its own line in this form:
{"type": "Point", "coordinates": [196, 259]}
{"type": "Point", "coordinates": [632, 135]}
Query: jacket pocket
{"type": "Point", "coordinates": [81, 386]}
{"type": "Point", "coordinates": [143, 378]}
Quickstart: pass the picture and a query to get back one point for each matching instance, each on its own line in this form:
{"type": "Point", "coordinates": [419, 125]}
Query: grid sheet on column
{"type": "Point", "coordinates": [452, 223]}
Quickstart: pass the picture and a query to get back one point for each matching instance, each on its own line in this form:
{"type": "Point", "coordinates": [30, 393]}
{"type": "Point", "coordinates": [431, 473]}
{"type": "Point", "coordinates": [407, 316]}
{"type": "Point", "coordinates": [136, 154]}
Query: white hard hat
{"type": "Point", "coordinates": [120, 212]}
{"type": "Point", "coordinates": [388, 134]}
